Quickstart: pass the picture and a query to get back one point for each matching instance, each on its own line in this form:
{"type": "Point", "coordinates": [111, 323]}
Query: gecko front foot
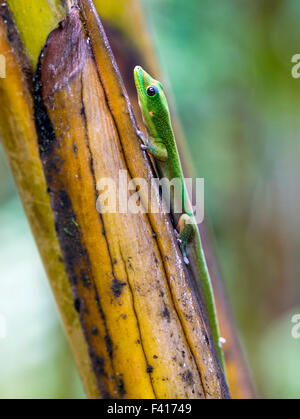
{"type": "Point", "coordinates": [141, 135]}
{"type": "Point", "coordinates": [177, 235]}
{"type": "Point", "coordinates": [146, 145]}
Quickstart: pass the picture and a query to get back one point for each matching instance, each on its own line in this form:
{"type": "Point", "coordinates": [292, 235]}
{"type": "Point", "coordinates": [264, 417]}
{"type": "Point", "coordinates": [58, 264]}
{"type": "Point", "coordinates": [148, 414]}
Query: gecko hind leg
{"type": "Point", "coordinates": [185, 228]}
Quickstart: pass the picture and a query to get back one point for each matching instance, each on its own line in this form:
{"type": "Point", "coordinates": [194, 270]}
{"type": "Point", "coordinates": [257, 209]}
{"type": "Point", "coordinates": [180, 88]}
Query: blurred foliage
{"type": "Point", "coordinates": [229, 65]}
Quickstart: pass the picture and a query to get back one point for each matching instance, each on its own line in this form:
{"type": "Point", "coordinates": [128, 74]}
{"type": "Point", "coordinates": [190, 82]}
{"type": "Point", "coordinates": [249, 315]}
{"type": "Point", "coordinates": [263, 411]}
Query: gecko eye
{"type": "Point", "coordinates": [152, 90]}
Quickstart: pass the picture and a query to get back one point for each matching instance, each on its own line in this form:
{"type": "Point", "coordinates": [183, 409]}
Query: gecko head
{"type": "Point", "coordinates": [151, 95]}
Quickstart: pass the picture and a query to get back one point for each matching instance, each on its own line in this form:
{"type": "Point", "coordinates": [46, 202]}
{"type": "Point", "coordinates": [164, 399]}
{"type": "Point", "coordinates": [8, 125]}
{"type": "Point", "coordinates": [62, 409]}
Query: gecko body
{"type": "Point", "coordinates": [161, 144]}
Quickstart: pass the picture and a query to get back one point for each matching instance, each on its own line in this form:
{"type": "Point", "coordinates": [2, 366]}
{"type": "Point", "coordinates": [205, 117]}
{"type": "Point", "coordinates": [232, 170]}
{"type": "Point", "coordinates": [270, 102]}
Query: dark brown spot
{"type": "Point", "coordinates": [166, 314]}
{"type": "Point", "coordinates": [188, 378]}
{"type": "Point", "coordinates": [94, 331]}
{"type": "Point", "coordinates": [99, 364]}
{"type": "Point", "coordinates": [75, 149]}
{"type": "Point", "coordinates": [155, 259]}
{"type": "Point", "coordinates": [117, 287]}
{"type": "Point", "coordinates": [149, 368]}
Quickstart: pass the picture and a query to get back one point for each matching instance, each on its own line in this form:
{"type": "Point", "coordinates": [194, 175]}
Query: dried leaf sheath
{"type": "Point", "coordinates": [184, 297]}
{"type": "Point", "coordinates": [19, 139]}
{"type": "Point", "coordinates": [122, 20]}
{"type": "Point", "coordinates": [94, 139]}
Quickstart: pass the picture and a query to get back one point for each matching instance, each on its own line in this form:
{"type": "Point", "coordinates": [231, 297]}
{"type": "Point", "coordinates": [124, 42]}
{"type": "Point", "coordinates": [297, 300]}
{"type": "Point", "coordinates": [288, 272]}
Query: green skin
{"type": "Point", "coordinates": [161, 145]}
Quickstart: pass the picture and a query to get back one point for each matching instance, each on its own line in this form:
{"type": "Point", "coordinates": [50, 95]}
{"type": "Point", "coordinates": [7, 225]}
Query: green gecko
{"type": "Point", "coordinates": [161, 145]}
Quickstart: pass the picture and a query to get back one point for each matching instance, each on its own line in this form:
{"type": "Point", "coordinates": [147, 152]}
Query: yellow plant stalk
{"type": "Point", "coordinates": [19, 138]}
{"type": "Point", "coordinates": [35, 19]}
{"type": "Point", "coordinates": [183, 296]}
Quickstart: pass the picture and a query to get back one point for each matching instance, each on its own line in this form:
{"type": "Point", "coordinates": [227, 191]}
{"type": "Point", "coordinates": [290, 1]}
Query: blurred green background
{"type": "Point", "coordinates": [229, 65]}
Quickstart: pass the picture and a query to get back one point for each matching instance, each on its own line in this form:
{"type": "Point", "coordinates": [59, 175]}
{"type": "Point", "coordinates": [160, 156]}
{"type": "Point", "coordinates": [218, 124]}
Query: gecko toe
{"type": "Point", "coordinates": [186, 261]}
